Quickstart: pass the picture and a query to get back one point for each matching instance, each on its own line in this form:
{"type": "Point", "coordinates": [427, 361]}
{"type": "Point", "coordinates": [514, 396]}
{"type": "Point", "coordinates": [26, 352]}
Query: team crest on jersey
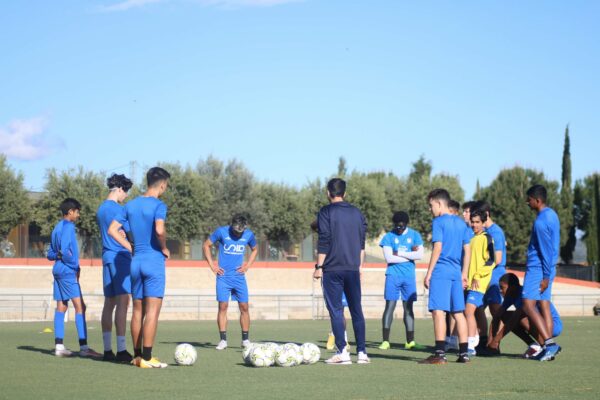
{"type": "Point", "coordinates": [408, 240]}
{"type": "Point", "coordinates": [396, 241]}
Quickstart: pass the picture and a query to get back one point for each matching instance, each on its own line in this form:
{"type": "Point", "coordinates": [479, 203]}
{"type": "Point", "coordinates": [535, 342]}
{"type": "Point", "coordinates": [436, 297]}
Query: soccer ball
{"type": "Point", "coordinates": [288, 355]}
{"type": "Point", "coordinates": [246, 353]}
{"type": "Point", "coordinates": [185, 354]}
{"type": "Point", "coordinates": [273, 346]}
{"type": "Point", "coordinates": [310, 353]}
{"type": "Point", "coordinates": [262, 356]}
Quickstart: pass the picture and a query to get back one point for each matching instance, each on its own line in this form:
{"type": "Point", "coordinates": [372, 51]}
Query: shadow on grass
{"type": "Point", "coordinates": [204, 345]}
{"type": "Point", "coordinates": [50, 352]}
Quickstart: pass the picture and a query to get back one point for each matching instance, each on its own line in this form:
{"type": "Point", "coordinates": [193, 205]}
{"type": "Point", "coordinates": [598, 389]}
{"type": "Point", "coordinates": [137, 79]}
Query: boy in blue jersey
{"type": "Point", "coordinates": [146, 216]}
{"type": "Point", "coordinates": [401, 248]}
{"type": "Point", "coordinates": [116, 270]}
{"type": "Point", "coordinates": [542, 256]}
{"type": "Point", "coordinates": [231, 273]}
{"type": "Point", "coordinates": [65, 254]}
{"type": "Point", "coordinates": [493, 297]}
{"type": "Point", "coordinates": [516, 321]}
{"type": "Point", "coordinates": [445, 278]}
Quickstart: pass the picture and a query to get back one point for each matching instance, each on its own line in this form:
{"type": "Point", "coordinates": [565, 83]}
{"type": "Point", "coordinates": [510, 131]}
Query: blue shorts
{"type": "Point", "coordinates": [493, 294]}
{"type": "Point", "coordinates": [396, 284]}
{"type": "Point", "coordinates": [446, 295]}
{"type": "Point", "coordinates": [344, 300]}
{"type": "Point", "coordinates": [531, 285]}
{"type": "Point", "coordinates": [147, 277]}
{"type": "Point", "coordinates": [66, 288]}
{"type": "Point", "coordinates": [116, 275]}
{"type": "Point", "coordinates": [474, 297]}
{"type": "Point", "coordinates": [557, 327]}
{"type": "Point", "coordinates": [233, 286]}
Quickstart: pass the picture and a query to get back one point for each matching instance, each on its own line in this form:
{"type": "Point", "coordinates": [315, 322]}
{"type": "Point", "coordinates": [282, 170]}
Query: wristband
{"type": "Point", "coordinates": [317, 266]}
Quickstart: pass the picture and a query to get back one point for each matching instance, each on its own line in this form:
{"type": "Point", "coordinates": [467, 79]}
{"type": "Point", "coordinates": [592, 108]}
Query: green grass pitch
{"type": "Point", "coordinates": [30, 371]}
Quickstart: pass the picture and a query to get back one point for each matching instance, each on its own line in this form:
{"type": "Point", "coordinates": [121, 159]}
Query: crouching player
{"type": "Point", "coordinates": [517, 321]}
{"type": "Point", "coordinates": [65, 254]}
{"type": "Point", "coordinates": [480, 273]}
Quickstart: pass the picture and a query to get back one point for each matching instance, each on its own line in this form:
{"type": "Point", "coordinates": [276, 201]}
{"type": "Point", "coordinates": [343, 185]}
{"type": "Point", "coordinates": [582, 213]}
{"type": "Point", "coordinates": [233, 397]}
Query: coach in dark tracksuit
{"type": "Point", "coordinates": [341, 246]}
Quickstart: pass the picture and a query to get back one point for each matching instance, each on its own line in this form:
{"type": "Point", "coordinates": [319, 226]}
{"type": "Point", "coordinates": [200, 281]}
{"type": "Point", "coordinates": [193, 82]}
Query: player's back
{"type": "Point", "coordinates": [452, 231]}
{"type": "Point", "coordinates": [63, 240]}
{"type": "Point", "coordinates": [107, 212]}
{"type": "Point", "coordinates": [141, 213]}
{"type": "Point", "coordinates": [545, 236]}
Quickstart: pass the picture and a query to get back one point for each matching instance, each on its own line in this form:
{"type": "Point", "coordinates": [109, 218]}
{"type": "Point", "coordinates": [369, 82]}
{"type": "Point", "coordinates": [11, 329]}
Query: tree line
{"type": "Point", "coordinates": [206, 195]}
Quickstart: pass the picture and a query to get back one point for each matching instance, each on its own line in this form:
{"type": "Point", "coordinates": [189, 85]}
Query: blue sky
{"type": "Point", "coordinates": [289, 86]}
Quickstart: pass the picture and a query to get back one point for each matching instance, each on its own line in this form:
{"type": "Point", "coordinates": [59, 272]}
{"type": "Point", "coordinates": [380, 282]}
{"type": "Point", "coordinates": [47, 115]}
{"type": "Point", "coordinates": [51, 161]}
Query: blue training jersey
{"type": "Point", "coordinates": [141, 214]}
{"type": "Point", "coordinates": [497, 235]}
{"type": "Point", "coordinates": [231, 251]}
{"type": "Point", "coordinates": [544, 244]}
{"type": "Point", "coordinates": [453, 233]}
{"type": "Point", "coordinates": [518, 303]}
{"type": "Point", "coordinates": [108, 211]}
{"type": "Point", "coordinates": [403, 242]}
{"type": "Point", "coordinates": [63, 239]}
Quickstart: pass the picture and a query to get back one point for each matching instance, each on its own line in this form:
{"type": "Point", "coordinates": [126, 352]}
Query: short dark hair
{"type": "Point", "coordinates": [155, 175]}
{"type": "Point", "coordinates": [482, 205]}
{"type": "Point", "coordinates": [510, 279]}
{"type": "Point", "coordinates": [439, 194]}
{"type": "Point", "coordinates": [119, 181]}
{"type": "Point", "coordinates": [336, 187]}
{"type": "Point", "coordinates": [400, 216]}
{"type": "Point", "coordinates": [69, 204]}
{"type": "Point", "coordinates": [454, 205]}
{"type": "Point", "coordinates": [239, 219]}
{"type": "Point", "coordinates": [478, 212]}
{"type": "Point", "coordinates": [467, 205]}
{"type": "Point", "coordinates": [537, 192]}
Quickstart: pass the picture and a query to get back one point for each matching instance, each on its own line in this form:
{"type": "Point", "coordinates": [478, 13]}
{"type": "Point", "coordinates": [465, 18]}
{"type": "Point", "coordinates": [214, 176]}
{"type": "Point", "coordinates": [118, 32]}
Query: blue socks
{"type": "Point", "coordinates": [81, 328]}
{"type": "Point", "coordinates": [59, 326]}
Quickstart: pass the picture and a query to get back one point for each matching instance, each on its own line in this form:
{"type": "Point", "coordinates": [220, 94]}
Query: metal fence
{"type": "Point", "coordinates": [40, 307]}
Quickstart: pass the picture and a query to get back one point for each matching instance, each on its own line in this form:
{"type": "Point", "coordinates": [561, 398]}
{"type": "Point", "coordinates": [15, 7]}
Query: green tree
{"type": "Point", "coordinates": [189, 200]}
{"type": "Point", "coordinates": [88, 188]}
{"type": "Point", "coordinates": [288, 219]}
{"type": "Point", "coordinates": [506, 195]}
{"type": "Point", "coordinates": [234, 190]}
{"type": "Point", "coordinates": [567, 231]}
{"type": "Point", "coordinates": [342, 168]}
{"type": "Point", "coordinates": [365, 193]}
{"type": "Point", "coordinates": [587, 214]}
{"type": "Point", "coordinates": [14, 203]}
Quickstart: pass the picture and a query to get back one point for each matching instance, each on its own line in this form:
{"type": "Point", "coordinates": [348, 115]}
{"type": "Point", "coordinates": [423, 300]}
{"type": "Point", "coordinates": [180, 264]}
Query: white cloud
{"type": "Point", "coordinates": [125, 5]}
{"type": "Point", "coordinates": [25, 139]}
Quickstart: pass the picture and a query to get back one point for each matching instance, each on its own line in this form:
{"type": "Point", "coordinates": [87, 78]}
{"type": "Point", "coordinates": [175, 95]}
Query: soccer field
{"type": "Point", "coordinates": [31, 371]}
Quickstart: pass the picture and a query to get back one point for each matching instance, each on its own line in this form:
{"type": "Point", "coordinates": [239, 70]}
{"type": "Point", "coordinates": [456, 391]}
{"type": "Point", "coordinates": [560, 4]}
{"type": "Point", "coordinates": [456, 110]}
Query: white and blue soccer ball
{"type": "Point", "coordinates": [288, 355]}
{"type": "Point", "coordinates": [185, 354]}
{"type": "Point", "coordinates": [262, 356]}
{"type": "Point", "coordinates": [310, 353]}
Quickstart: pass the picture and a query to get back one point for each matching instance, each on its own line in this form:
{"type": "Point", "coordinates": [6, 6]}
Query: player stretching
{"type": "Point", "coordinates": [231, 272]}
{"type": "Point", "coordinates": [116, 270]}
{"type": "Point", "coordinates": [401, 248]}
{"type": "Point", "coordinates": [516, 321]}
{"type": "Point", "coordinates": [542, 256]}
{"type": "Point", "coordinates": [65, 254]}
{"type": "Point", "coordinates": [444, 279]}
{"type": "Point", "coordinates": [146, 216]}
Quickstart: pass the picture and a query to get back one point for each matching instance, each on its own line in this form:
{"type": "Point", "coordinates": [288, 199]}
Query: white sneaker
{"type": "Point", "coordinates": [245, 344]}
{"type": "Point", "coordinates": [222, 345]}
{"type": "Point", "coordinates": [342, 358]}
{"type": "Point", "coordinates": [363, 358]}
{"type": "Point", "coordinates": [61, 351]}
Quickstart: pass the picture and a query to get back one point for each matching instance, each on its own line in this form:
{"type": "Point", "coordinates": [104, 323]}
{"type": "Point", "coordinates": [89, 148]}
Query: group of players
{"type": "Point", "coordinates": [467, 256]}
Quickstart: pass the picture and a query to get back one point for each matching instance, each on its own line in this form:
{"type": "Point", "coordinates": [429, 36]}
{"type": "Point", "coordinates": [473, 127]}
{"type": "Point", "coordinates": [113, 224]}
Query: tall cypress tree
{"type": "Point", "coordinates": [567, 234]}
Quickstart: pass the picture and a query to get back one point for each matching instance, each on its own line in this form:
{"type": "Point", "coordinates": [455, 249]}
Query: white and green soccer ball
{"type": "Point", "coordinates": [310, 353]}
{"type": "Point", "coordinates": [185, 354]}
{"type": "Point", "coordinates": [262, 356]}
{"type": "Point", "coordinates": [273, 346]}
{"type": "Point", "coordinates": [247, 351]}
{"type": "Point", "coordinates": [288, 355]}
